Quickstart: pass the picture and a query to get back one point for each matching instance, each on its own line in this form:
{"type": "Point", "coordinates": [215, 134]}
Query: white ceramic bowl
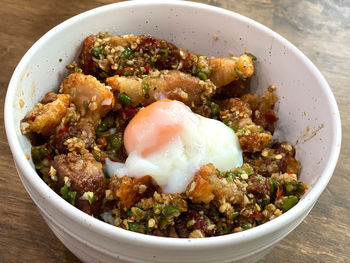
{"type": "Point", "coordinates": [305, 103]}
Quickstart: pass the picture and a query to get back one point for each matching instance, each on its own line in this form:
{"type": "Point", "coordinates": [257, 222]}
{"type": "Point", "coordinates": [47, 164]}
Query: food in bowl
{"type": "Point", "coordinates": [154, 139]}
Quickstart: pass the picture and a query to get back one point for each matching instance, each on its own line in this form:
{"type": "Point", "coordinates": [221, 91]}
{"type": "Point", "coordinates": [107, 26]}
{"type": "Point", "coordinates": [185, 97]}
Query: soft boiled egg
{"type": "Point", "coordinates": [169, 142]}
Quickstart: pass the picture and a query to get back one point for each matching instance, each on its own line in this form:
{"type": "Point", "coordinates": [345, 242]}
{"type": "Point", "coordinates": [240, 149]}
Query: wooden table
{"type": "Point", "coordinates": [320, 28]}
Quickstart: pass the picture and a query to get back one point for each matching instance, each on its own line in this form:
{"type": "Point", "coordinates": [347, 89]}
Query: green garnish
{"type": "Point", "coordinates": [165, 52]}
{"type": "Point", "coordinates": [235, 128]}
{"type": "Point", "coordinates": [145, 87]}
{"type": "Point", "coordinates": [123, 98]}
{"type": "Point", "coordinates": [128, 73]}
{"type": "Point", "coordinates": [246, 226]}
{"type": "Point", "coordinates": [135, 227]}
{"type": "Point", "coordinates": [247, 171]}
{"type": "Point", "coordinates": [127, 53]}
{"type": "Point", "coordinates": [229, 176]}
{"type": "Point", "coordinates": [201, 73]}
{"type": "Point", "coordinates": [239, 73]}
{"type": "Point", "coordinates": [235, 214]}
{"type": "Point", "coordinates": [289, 187]}
{"type": "Point", "coordinates": [250, 55]}
{"type": "Point", "coordinates": [97, 51]}
{"type": "Point", "coordinates": [68, 195]}
{"type": "Point", "coordinates": [115, 141]}
{"type": "Point", "coordinates": [261, 128]}
{"type": "Point", "coordinates": [157, 208]}
{"type": "Point", "coordinates": [289, 203]}
{"type": "Point", "coordinates": [171, 210]}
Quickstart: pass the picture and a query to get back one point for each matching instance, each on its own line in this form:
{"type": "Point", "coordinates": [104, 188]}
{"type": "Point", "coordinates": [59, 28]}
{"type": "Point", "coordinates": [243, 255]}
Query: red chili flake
{"type": "Point", "coordinates": [289, 172]}
{"type": "Point", "coordinates": [64, 129]}
{"type": "Point", "coordinates": [256, 215]}
{"type": "Point", "coordinates": [279, 192]}
{"type": "Point", "coordinates": [48, 156]}
{"type": "Point", "coordinates": [147, 68]}
{"type": "Point", "coordinates": [188, 54]}
{"type": "Point", "coordinates": [128, 112]}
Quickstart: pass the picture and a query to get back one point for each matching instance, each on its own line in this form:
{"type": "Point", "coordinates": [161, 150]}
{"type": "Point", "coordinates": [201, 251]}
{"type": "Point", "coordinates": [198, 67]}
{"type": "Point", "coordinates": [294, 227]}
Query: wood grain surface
{"type": "Point", "coordinates": [320, 28]}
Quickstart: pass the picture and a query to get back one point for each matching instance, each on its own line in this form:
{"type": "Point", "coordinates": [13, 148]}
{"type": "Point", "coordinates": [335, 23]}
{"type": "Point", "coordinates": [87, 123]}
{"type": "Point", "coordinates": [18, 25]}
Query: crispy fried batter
{"type": "Point", "coordinates": [131, 190]}
{"type": "Point", "coordinates": [89, 95]}
{"type": "Point", "coordinates": [46, 115]}
{"type": "Point", "coordinates": [171, 84]}
{"type": "Point", "coordinates": [226, 70]}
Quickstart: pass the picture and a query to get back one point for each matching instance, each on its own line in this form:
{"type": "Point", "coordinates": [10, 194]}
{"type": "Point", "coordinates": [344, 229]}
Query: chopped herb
{"type": "Point", "coordinates": [235, 214]}
{"type": "Point", "coordinates": [138, 212]}
{"type": "Point", "coordinates": [229, 176]}
{"type": "Point", "coordinates": [289, 187]}
{"type": "Point", "coordinates": [239, 73]}
{"type": "Point", "coordinates": [129, 213]}
{"type": "Point", "coordinates": [165, 52]}
{"type": "Point", "coordinates": [247, 171]}
{"type": "Point", "coordinates": [251, 55]}
{"type": "Point", "coordinates": [115, 141]}
{"type": "Point", "coordinates": [89, 196]}
{"type": "Point", "coordinates": [127, 53]}
{"type": "Point", "coordinates": [85, 104]}
{"type": "Point", "coordinates": [97, 51]}
{"type": "Point", "coordinates": [157, 208]}
{"type": "Point", "coordinates": [145, 87]}
{"type": "Point", "coordinates": [261, 128]}
{"type": "Point", "coordinates": [171, 210]}
{"type": "Point", "coordinates": [219, 173]}
{"type": "Point", "coordinates": [246, 226]}
{"type": "Point", "coordinates": [190, 222]}
{"type": "Point", "coordinates": [289, 203]}
{"type": "Point", "coordinates": [235, 128]}
{"type": "Point", "coordinates": [123, 98]}
{"type": "Point", "coordinates": [128, 73]}
{"type": "Point", "coordinates": [201, 73]}
{"type": "Point", "coordinates": [214, 109]}
{"type": "Point", "coordinates": [68, 195]}
{"type": "Point", "coordinates": [135, 227]}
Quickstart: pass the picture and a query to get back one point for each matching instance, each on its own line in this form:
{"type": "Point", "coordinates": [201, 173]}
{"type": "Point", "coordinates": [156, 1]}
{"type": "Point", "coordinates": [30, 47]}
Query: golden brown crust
{"type": "Point", "coordinates": [46, 115]}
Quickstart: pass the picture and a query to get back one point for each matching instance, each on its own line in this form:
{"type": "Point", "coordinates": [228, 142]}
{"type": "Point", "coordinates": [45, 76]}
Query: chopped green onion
{"type": "Point", "coordinates": [165, 52]}
{"type": "Point", "coordinates": [157, 208]}
{"type": "Point", "coordinates": [202, 76]}
{"type": "Point", "coordinates": [129, 213]}
{"type": "Point", "coordinates": [68, 195]}
{"type": "Point", "coordinates": [250, 55]}
{"type": "Point", "coordinates": [246, 226]}
{"type": "Point", "coordinates": [171, 210]}
{"type": "Point", "coordinates": [289, 187]}
{"type": "Point", "coordinates": [239, 73]}
{"type": "Point", "coordinates": [123, 98]}
{"type": "Point", "coordinates": [135, 227]}
{"type": "Point", "coordinates": [235, 214]}
{"type": "Point", "coordinates": [115, 141]}
{"type": "Point", "coordinates": [97, 51]}
{"type": "Point", "coordinates": [235, 128]}
{"type": "Point", "coordinates": [229, 176]}
{"type": "Point", "coordinates": [137, 211]}
{"type": "Point", "coordinates": [128, 73]}
{"type": "Point", "coordinates": [127, 53]}
{"type": "Point", "coordinates": [261, 128]}
{"type": "Point", "coordinates": [219, 173]}
{"type": "Point", "coordinates": [145, 87]}
{"type": "Point", "coordinates": [289, 202]}
{"type": "Point", "coordinates": [190, 222]}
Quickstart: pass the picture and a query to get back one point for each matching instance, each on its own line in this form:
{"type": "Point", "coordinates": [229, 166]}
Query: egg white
{"type": "Point", "coordinates": [202, 141]}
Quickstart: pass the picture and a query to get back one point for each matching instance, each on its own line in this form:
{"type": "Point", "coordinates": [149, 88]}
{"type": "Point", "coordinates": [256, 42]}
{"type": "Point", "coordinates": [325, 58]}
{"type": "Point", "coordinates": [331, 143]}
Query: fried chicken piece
{"type": "Point", "coordinates": [89, 95]}
{"type": "Point", "coordinates": [225, 70]}
{"type": "Point", "coordinates": [129, 190]}
{"type": "Point", "coordinates": [81, 174]}
{"type": "Point", "coordinates": [173, 84]}
{"type": "Point", "coordinates": [207, 186]}
{"type": "Point", "coordinates": [46, 115]}
{"type": "Point", "coordinates": [238, 115]}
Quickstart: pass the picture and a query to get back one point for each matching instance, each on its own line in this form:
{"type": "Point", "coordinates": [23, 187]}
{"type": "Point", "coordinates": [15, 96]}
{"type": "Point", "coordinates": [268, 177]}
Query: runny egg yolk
{"type": "Point", "coordinates": [169, 142]}
{"type": "Point", "coordinates": [153, 128]}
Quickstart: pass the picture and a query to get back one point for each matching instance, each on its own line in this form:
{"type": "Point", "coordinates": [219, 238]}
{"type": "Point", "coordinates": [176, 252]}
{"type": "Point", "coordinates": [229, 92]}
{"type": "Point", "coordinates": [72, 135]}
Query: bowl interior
{"type": "Point", "coordinates": [307, 112]}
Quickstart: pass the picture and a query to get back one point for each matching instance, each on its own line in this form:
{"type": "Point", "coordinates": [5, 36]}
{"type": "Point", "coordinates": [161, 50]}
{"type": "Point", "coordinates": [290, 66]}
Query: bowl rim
{"type": "Point", "coordinates": [116, 233]}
